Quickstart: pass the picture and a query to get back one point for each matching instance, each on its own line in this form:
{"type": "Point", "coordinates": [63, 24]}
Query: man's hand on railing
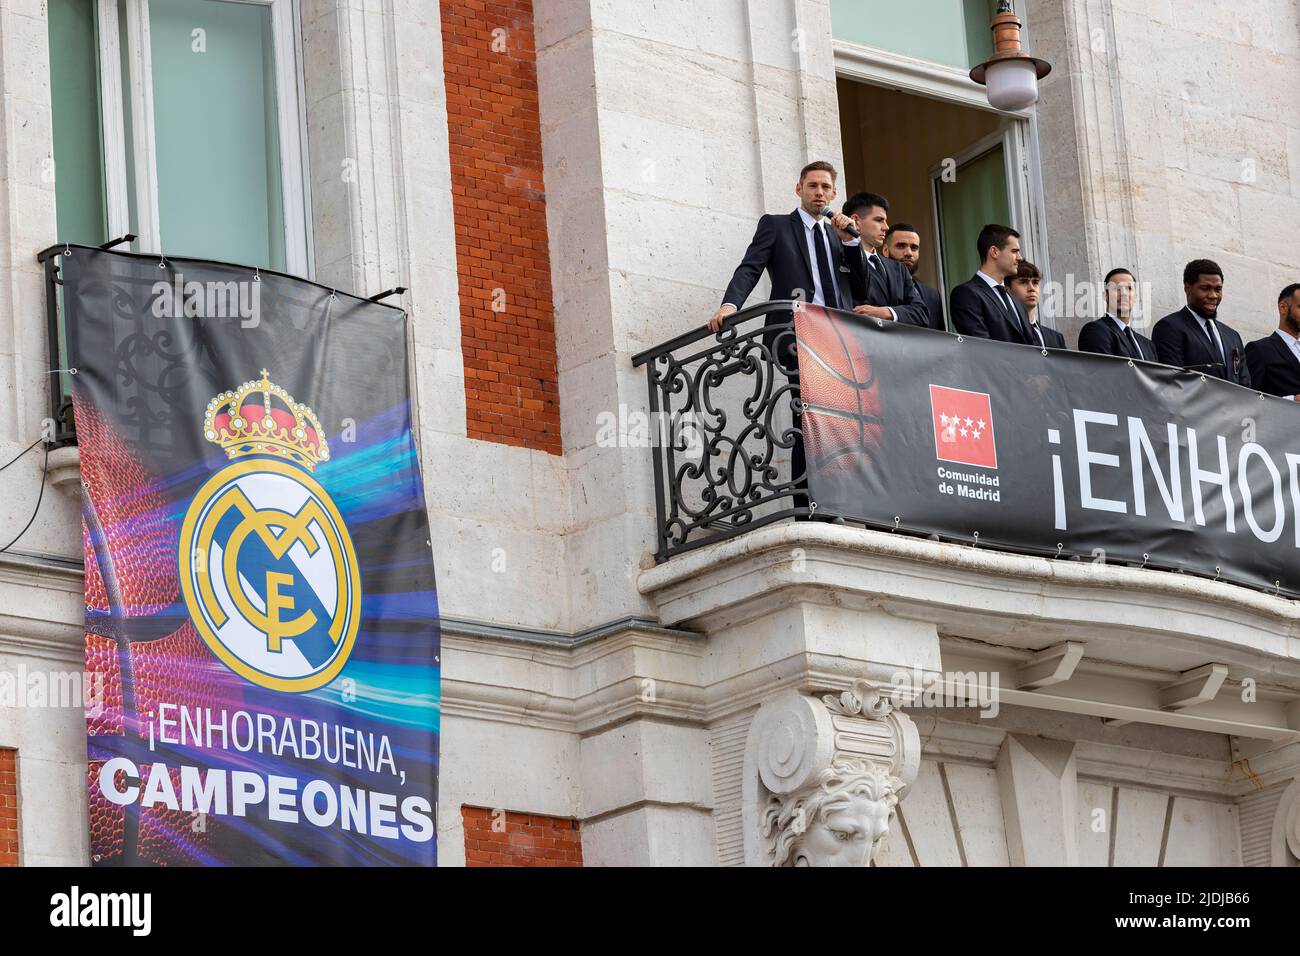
{"type": "Point", "coordinates": [720, 316]}
{"type": "Point", "coordinates": [873, 311]}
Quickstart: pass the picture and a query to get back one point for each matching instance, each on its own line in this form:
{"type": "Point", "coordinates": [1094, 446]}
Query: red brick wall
{"type": "Point", "coordinates": [8, 808]}
{"type": "Point", "coordinates": [511, 390]}
{"type": "Point", "coordinates": [519, 839]}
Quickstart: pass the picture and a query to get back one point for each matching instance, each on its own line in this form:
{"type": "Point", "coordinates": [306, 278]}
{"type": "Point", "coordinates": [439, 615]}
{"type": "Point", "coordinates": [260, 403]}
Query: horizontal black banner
{"type": "Point", "coordinates": [1049, 452]}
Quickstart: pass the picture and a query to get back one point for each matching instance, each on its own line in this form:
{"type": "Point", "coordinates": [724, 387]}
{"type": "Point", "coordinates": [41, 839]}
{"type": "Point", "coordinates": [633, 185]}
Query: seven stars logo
{"type": "Point", "coordinates": [268, 570]}
{"type": "Point", "coordinates": [963, 427]}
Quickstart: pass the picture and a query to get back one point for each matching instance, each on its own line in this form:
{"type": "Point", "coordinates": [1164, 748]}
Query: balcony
{"type": "Point", "coordinates": [1067, 633]}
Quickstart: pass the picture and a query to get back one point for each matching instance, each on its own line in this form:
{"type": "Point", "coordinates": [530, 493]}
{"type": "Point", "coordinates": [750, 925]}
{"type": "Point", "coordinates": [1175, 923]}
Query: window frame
{"type": "Point", "coordinates": [137, 96]}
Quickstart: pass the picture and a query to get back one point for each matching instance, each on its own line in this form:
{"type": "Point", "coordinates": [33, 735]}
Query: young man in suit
{"type": "Point", "coordinates": [808, 257]}
{"type": "Point", "coordinates": [891, 293]}
{"type": "Point", "coordinates": [1193, 337]}
{"type": "Point", "coordinates": [903, 244]}
{"type": "Point", "coordinates": [982, 307]}
{"type": "Point", "coordinates": [1274, 361]}
{"type": "Point", "coordinates": [804, 254]}
{"type": "Point", "coordinates": [1113, 333]}
{"type": "Point", "coordinates": [1025, 288]}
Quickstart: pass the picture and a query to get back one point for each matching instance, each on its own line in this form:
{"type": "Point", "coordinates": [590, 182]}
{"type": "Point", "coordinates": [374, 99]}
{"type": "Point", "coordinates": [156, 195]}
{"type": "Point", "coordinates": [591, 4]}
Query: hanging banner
{"type": "Point", "coordinates": [1050, 452]}
{"type": "Point", "coordinates": [261, 618]}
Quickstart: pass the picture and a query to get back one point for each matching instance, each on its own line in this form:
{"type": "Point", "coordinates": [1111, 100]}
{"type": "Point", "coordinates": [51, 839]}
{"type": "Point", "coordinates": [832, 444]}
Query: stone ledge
{"type": "Point", "coordinates": [1000, 598]}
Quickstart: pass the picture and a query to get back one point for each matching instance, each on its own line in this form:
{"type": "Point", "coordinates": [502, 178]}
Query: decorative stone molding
{"type": "Point", "coordinates": [1286, 827]}
{"type": "Point", "coordinates": [823, 776]}
{"type": "Point", "coordinates": [64, 471]}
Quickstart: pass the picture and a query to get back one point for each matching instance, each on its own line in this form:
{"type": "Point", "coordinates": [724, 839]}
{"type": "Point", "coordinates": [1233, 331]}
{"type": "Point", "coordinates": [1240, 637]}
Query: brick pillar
{"type": "Point", "coordinates": [502, 257]}
{"type": "Point", "coordinates": [8, 808]}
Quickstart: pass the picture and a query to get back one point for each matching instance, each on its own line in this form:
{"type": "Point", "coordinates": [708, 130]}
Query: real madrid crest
{"type": "Point", "coordinates": [268, 570]}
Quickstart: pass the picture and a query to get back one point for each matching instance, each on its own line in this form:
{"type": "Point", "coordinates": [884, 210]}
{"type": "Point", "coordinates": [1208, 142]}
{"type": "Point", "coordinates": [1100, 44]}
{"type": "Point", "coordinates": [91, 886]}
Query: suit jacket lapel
{"type": "Point", "coordinates": [801, 243]}
{"type": "Point", "coordinates": [1288, 355]}
{"type": "Point", "coordinates": [1207, 342]}
{"type": "Point", "coordinates": [1123, 338]}
{"type": "Point", "coordinates": [1019, 325]}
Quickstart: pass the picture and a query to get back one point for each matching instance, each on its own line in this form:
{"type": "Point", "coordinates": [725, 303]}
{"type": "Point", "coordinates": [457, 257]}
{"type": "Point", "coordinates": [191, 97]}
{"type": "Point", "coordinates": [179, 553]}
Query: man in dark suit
{"type": "Point", "coordinates": [1024, 287]}
{"type": "Point", "coordinates": [1193, 337]}
{"type": "Point", "coordinates": [903, 244]}
{"type": "Point", "coordinates": [808, 258]}
{"type": "Point", "coordinates": [1274, 361]}
{"type": "Point", "coordinates": [1113, 333]}
{"type": "Point", "coordinates": [983, 307]}
{"type": "Point", "coordinates": [891, 293]}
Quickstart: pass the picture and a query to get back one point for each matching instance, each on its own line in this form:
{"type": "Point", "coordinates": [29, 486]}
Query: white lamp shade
{"type": "Point", "coordinates": [1012, 84]}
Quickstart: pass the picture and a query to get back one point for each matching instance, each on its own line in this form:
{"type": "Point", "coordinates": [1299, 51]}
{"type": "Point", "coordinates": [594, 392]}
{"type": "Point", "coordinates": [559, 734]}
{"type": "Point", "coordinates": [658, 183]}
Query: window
{"type": "Point", "coordinates": [181, 121]}
{"type": "Point", "coordinates": [951, 32]}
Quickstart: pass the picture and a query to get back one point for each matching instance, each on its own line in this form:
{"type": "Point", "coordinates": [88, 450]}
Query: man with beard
{"type": "Point", "coordinates": [890, 292]}
{"type": "Point", "coordinates": [1193, 337]}
{"type": "Point", "coordinates": [1274, 361]}
{"type": "Point", "coordinates": [903, 244]}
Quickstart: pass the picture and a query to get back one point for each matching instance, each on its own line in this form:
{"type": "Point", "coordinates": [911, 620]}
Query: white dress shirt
{"type": "Point", "coordinates": [880, 266]}
{"type": "Point", "coordinates": [1123, 331]}
{"type": "Point", "coordinates": [819, 297]}
{"type": "Point", "coordinates": [995, 284]}
{"type": "Point", "coordinates": [1205, 327]}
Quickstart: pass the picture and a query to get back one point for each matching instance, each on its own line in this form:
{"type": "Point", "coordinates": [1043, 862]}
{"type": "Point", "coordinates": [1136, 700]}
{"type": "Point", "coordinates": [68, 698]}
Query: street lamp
{"type": "Point", "coordinates": [1011, 76]}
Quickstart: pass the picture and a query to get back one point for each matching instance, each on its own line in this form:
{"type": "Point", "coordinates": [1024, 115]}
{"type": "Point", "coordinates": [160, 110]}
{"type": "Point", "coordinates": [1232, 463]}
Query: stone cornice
{"type": "Point", "coordinates": [1130, 616]}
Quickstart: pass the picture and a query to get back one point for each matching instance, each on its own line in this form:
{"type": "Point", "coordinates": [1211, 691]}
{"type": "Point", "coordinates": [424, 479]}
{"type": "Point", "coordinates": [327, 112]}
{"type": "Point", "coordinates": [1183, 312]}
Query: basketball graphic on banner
{"type": "Point", "coordinates": [842, 422]}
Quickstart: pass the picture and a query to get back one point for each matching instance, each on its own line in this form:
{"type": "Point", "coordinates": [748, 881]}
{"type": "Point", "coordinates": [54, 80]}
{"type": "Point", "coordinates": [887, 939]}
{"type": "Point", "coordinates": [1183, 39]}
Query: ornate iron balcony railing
{"type": "Point", "coordinates": [723, 426]}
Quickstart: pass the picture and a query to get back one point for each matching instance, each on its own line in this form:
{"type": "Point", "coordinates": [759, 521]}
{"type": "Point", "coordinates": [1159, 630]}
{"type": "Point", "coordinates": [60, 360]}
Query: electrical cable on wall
{"type": "Point", "coordinates": [40, 495]}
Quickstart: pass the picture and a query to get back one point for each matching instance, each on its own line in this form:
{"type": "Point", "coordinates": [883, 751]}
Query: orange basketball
{"type": "Point", "coordinates": [842, 424]}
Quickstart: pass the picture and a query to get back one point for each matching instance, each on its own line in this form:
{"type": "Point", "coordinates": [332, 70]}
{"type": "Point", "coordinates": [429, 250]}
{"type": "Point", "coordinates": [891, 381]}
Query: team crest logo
{"type": "Point", "coordinates": [267, 567]}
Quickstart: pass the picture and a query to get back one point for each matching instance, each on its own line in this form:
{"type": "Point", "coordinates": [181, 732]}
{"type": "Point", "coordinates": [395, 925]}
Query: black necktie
{"type": "Point", "coordinates": [824, 268]}
{"type": "Point", "coordinates": [877, 278]}
{"type": "Point", "coordinates": [1133, 347]}
{"type": "Point", "coordinates": [1214, 344]}
{"type": "Point", "coordinates": [1042, 344]}
{"type": "Point", "coordinates": [1015, 316]}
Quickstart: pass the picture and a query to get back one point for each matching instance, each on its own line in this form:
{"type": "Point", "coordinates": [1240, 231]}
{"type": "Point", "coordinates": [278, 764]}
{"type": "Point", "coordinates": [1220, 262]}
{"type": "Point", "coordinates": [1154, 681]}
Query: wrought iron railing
{"type": "Point", "coordinates": [724, 426]}
{"type": "Point", "coordinates": [65, 432]}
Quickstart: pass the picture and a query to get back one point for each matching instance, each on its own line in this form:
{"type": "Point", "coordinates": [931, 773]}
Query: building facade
{"type": "Point", "coordinates": [563, 184]}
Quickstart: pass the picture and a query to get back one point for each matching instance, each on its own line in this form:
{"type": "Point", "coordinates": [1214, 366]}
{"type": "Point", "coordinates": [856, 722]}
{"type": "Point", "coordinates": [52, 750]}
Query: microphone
{"type": "Point", "coordinates": [852, 230]}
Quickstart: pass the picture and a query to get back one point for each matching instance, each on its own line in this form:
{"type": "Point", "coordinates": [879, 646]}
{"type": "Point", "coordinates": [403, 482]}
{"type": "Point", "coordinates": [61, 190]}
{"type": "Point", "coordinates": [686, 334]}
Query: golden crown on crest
{"type": "Point", "coordinates": [244, 422]}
